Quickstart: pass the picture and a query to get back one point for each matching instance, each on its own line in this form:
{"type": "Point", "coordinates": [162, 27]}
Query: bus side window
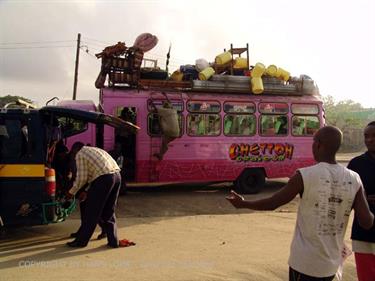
{"type": "Point", "coordinates": [214, 125]}
{"type": "Point", "coordinates": [203, 124]}
{"type": "Point", "coordinates": [154, 124]}
{"type": "Point", "coordinates": [195, 124]}
{"type": "Point", "coordinates": [273, 125]}
{"type": "Point", "coordinates": [247, 126]}
{"type": "Point", "coordinates": [305, 125]}
{"type": "Point", "coordinates": [241, 125]}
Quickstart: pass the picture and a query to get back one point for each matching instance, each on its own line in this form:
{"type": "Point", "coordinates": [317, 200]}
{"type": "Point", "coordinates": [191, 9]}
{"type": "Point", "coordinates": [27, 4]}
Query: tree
{"type": "Point", "coordinates": [9, 98]}
{"type": "Point", "coordinates": [343, 113]}
{"type": "Point", "coordinates": [351, 118]}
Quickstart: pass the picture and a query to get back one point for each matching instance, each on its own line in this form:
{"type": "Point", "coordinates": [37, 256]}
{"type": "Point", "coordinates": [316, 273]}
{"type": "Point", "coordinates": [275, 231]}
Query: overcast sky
{"type": "Point", "coordinates": [331, 41]}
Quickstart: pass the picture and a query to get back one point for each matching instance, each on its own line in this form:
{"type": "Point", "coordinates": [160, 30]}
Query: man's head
{"type": "Point", "coordinates": [75, 148]}
{"type": "Point", "coordinates": [369, 135]}
{"type": "Point", "coordinates": [327, 141]}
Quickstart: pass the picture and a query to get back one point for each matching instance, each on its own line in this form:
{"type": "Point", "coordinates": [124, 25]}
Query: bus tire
{"type": "Point", "coordinates": [250, 181]}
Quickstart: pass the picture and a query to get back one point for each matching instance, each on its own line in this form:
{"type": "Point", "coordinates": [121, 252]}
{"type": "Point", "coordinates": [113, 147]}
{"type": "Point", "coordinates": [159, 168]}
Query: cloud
{"type": "Point", "coordinates": [329, 41]}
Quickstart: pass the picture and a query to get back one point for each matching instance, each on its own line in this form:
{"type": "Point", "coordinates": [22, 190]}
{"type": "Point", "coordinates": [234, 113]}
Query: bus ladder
{"type": "Point", "coordinates": [155, 144]}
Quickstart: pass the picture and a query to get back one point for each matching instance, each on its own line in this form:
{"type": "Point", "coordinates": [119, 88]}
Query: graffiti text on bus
{"type": "Point", "coordinates": [260, 152]}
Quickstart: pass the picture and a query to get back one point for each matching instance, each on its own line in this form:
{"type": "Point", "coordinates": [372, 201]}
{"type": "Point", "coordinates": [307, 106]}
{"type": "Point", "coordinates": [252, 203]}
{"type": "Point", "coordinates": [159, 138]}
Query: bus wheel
{"type": "Point", "coordinates": [250, 181]}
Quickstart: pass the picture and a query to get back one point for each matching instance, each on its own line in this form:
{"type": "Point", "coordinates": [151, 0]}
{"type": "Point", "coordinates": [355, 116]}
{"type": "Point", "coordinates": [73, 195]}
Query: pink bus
{"type": "Point", "coordinates": [242, 138]}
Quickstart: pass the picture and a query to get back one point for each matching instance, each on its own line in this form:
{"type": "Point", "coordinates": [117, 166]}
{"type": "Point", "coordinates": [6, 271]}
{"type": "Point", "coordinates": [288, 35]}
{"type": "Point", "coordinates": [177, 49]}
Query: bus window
{"type": "Point", "coordinates": [235, 107]}
{"type": "Point", "coordinates": [153, 124]}
{"type": "Point", "coordinates": [273, 108]}
{"type": "Point", "coordinates": [11, 139]}
{"type": "Point", "coordinates": [178, 105]}
{"type": "Point", "coordinates": [203, 106]}
{"type": "Point", "coordinates": [14, 139]}
{"type": "Point", "coordinates": [203, 124]}
{"type": "Point", "coordinates": [239, 125]}
{"type": "Point", "coordinates": [71, 126]}
{"type": "Point", "coordinates": [305, 109]}
{"type": "Point", "coordinates": [273, 125]}
{"type": "Point", "coordinates": [304, 125]}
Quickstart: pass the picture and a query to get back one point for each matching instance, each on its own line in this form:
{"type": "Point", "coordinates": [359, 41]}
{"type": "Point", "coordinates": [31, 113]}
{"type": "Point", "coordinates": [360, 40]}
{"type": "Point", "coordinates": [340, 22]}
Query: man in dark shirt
{"type": "Point", "coordinates": [364, 240]}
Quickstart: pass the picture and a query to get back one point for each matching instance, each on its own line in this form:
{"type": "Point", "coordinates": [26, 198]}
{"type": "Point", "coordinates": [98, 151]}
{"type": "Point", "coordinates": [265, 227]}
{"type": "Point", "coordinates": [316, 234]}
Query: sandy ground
{"type": "Point", "coordinates": [185, 232]}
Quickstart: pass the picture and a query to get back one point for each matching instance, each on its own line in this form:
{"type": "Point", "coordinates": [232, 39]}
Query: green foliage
{"type": "Point", "coordinates": [9, 98]}
{"type": "Point", "coordinates": [345, 114]}
{"type": "Point", "coordinates": [351, 118]}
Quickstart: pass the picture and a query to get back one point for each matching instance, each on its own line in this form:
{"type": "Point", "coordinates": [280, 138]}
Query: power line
{"type": "Point", "coordinates": [95, 44]}
{"type": "Point", "coordinates": [36, 47]}
{"type": "Point", "coordinates": [36, 42]}
{"type": "Point", "coordinates": [105, 43]}
{"type": "Point", "coordinates": [87, 51]}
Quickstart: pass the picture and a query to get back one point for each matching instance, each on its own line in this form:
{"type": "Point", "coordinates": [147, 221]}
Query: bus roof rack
{"type": "Point", "coordinates": [21, 103]}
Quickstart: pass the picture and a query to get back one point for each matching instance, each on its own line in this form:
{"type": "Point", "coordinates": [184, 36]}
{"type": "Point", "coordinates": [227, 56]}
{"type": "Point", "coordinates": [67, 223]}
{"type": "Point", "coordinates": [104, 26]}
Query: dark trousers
{"type": "Point", "coordinates": [82, 206]}
{"type": "Point", "coordinates": [298, 276]}
{"type": "Point", "coordinates": [100, 206]}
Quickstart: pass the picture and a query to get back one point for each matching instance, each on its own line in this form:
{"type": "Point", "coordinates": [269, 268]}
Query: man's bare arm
{"type": "Point", "coordinates": [362, 211]}
{"type": "Point", "coordinates": [283, 196]}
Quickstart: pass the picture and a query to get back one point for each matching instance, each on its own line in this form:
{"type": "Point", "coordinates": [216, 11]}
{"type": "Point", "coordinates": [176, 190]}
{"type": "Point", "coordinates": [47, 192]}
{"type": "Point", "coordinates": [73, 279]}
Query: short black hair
{"type": "Point", "coordinates": [77, 146]}
{"type": "Point", "coordinates": [372, 123]}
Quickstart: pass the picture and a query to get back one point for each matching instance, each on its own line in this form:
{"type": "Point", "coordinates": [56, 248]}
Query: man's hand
{"type": "Point", "coordinates": [236, 199]}
{"type": "Point", "coordinates": [82, 196]}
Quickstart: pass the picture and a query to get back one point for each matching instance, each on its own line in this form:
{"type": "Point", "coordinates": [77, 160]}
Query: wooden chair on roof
{"type": "Point", "coordinates": [229, 67]}
{"type": "Point", "coordinates": [237, 52]}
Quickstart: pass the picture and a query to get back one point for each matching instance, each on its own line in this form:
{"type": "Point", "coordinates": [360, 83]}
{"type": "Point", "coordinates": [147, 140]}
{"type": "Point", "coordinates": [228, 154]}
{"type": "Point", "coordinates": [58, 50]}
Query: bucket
{"type": "Point", "coordinates": [240, 63]}
{"type": "Point", "coordinates": [206, 73]}
{"type": "Point", "coordinates": [258, 70]}
{"type": "Point", "coordinates": [271, 70]}
{"type": "Point", "coordinates": [282, 74]}
{"type": "Point", "coordinates": [223, 58]}
{"type": "Point", "coordinates": [257, 85]}
{"type": "Point", "coordinates": [177, 76]}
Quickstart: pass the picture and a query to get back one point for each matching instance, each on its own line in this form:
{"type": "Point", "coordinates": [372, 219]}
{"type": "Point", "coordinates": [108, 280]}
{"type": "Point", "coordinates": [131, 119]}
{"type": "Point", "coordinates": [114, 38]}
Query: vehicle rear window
{"type": "Point", "coordinates": [15, 142]}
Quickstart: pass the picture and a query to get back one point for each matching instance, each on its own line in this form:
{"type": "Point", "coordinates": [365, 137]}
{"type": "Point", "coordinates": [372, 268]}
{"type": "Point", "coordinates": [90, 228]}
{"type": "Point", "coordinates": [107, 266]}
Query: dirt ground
{"type": "Point", "coordinates": [183, 232]}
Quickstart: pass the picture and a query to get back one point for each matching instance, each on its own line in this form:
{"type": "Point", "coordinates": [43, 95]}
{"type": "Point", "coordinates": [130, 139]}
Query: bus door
{"type": "Point", "coordinates": [22, 175]}
{"type": "Point", "coordinates": [124, 151]}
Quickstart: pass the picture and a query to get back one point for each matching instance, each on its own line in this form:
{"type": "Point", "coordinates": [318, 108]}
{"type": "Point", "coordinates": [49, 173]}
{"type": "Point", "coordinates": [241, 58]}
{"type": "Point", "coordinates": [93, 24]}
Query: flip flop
{"type": "Point", "coordinates": [125, 243]}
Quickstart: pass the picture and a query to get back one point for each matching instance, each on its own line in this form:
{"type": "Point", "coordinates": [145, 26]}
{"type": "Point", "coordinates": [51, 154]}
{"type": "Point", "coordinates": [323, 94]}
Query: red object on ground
{"type": "Point", "coordinates": [125, 243]}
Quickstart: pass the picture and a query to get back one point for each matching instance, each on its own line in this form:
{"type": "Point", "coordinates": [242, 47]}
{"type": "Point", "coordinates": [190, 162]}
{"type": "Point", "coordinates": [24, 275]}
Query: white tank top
{"type": "Point", "coordinates": [322, 218]}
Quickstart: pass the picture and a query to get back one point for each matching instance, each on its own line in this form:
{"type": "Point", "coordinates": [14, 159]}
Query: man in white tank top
{"type": "Point", "coordinates": [328, 192]}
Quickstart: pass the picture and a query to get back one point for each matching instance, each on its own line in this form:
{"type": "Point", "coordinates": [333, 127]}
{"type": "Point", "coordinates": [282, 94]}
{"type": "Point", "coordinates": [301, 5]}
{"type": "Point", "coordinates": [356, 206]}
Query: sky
{"type": "Point", "coordinates": [331, 41]}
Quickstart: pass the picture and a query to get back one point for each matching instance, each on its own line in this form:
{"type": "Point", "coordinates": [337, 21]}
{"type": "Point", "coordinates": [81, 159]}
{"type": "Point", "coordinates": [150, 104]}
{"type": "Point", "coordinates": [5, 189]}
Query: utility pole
{"type": "Point", "coordinates": [76, 68]}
